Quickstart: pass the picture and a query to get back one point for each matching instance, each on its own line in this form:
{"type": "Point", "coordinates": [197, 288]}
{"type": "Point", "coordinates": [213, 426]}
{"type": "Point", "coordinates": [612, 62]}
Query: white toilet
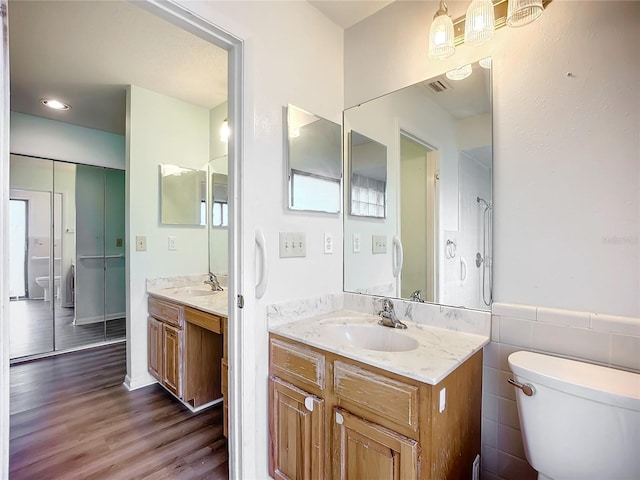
{"type": "Point", "coordinates": [581, 422]}
{"type": "Point", "coordinates": [44, 283]}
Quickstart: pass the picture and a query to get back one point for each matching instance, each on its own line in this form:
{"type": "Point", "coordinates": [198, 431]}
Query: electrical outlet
{"type": "Point", "coordinates": [328, 243]}
{"type": "Point", "coordinates": [171, 244]}
{"type": "Point", "coordinates": [118, 242]}
{"type": "Point", "coordinates": [379, 243]}
{"type": "Point", "coordinates": [141, 243]}
{"type": "Point", "coordinates": [293, 244]}
{"type": "Point", "coordinates": [356, 243]}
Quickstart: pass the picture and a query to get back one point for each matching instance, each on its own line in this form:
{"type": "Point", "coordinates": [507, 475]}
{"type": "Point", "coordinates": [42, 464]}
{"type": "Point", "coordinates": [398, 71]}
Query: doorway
{"type": "Point", "coordinates": [18, 232]}
{"type": "Point", "coordinates": [419, 165]}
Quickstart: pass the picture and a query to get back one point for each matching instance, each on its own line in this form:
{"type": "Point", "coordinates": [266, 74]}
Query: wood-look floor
{"type": "Point", "coordinates": [32, 322]}
{"type": "Point", "coordinates": [71, 418]}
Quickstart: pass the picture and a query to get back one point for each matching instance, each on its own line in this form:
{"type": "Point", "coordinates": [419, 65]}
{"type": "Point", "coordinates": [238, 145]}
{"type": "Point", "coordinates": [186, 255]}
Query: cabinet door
{"type": "Point", "coordinates": [154, 347]}
{"type": "Point", "coordinates": [171, 352]}
{"type": "Point", "coordinates": [296, 433]}
{"type": "Point", "coordinates": [365, 450]}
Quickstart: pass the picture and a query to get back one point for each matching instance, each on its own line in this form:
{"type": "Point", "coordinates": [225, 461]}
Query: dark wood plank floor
{"type": "Point", "coordinates": [71, 418]}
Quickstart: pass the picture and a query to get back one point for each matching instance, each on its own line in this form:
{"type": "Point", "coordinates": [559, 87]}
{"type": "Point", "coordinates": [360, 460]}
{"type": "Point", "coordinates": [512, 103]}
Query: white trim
{"type": "Point", "coordinates": [4, 245]}
{"type": "Point", "coordinates": [134, 385]}
{"type": "Point", "coordinates": [238, 382]}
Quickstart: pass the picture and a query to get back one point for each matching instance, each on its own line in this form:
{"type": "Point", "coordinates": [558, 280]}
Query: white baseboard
{"type": "Point", "coordinates": [98, 318]}
{"type": "Point", "coordinates": [135, 384]}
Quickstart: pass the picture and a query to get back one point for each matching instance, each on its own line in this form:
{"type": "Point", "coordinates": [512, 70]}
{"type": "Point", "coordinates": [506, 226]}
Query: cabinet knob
{"type": "Point", "coordinates": [308, 402]}
{"type": "Point", "coordinates": [339, 418]}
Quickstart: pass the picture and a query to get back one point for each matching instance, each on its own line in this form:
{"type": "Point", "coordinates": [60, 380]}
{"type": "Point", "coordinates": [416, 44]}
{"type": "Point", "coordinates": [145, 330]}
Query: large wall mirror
{"type": "Point", "coordinates": [218, 170]}
{"type": "Point", "coordinates": [314, 161]}
{"type": "Point", "coordinates": [183, 196]}
{"type": "Point", "coordinates": [433, 242]}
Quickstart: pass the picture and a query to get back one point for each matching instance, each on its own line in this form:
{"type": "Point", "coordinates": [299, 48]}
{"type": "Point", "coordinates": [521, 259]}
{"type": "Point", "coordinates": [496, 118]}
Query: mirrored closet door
{"type": "Point", "coordinates": [67, 282]}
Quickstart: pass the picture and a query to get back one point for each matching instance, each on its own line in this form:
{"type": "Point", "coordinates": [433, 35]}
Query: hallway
{"type": "Point", "coordinates": [72, 418]}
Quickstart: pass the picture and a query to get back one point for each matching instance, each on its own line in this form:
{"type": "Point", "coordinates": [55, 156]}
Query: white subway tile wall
{"type": "Point", "coordinates": [595, 338]}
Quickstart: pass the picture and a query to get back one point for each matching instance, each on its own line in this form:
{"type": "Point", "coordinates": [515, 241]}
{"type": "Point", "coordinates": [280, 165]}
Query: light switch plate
{"type": "Point", "coordinates": [356, 243]}
{"type": "Point", "coordinates": [379, 243]}
{"type": "Point", "coordinates": [293, 244]}
{"type": "Point", "coordinates": [141, 243]}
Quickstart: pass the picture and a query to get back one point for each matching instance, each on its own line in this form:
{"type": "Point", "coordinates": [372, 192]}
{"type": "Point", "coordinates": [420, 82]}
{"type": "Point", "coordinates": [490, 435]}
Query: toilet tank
{"type": "Point", "coordinates": [583, 420]}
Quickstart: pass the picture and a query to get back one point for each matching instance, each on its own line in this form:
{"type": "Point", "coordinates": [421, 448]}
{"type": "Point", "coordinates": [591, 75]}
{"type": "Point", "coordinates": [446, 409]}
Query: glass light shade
{"type": "Point", "coordinates": [441, 38]}
{"type": "Point", "coordinates": [479, 25]}
{"type": "Point", "coordinates": [485, 62]}
{"type": "Point", "coordinates": [522, 12]}
{"type": "Point", "coordinates": [459, 73]}
{"type": "Point", "coordinates": [225, 131]}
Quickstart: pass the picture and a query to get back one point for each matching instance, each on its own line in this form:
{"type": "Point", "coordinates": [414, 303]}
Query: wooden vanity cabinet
{"type": "Point", "coordinates": [185, 348]}
{"type": "Point", "coordinates": [375, 425]}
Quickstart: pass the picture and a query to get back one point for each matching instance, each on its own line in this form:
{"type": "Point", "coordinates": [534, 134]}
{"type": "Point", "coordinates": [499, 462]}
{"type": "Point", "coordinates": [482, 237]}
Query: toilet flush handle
{"type": "Point", "coordinates": [526, 388]}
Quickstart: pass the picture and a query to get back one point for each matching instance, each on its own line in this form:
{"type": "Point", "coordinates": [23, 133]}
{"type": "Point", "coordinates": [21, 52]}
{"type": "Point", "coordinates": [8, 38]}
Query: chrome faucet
{"type": "Point", "coordinates": [388, 316]}
{"type": "Point", "coordinates": [417, 296]}
{"type": "Point", "coordinates": [213, 281]}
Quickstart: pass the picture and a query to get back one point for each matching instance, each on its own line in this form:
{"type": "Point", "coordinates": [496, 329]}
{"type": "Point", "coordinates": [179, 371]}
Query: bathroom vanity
{"type": "Point", "coordinates": [187, 344]}
{"type": "Point", "coordinates": [352, 399]}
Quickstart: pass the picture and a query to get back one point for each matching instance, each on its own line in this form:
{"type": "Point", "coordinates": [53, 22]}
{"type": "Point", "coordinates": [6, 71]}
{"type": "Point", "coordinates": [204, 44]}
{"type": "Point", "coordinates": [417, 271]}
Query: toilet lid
{"type": "Point", "coordinates": [595, 382]}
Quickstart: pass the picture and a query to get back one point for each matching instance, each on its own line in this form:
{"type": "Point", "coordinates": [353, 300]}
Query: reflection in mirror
{"type": "Point", "coordinates": [219, 230]}
{"type": "Point", "coordinates": [434, 243]}
{"type": "Point", "coordinates": [368, 178]}
{"type": "Point", "coordinates": [314, 161]}
{"type": "Point", "coordinates": [183, 196]}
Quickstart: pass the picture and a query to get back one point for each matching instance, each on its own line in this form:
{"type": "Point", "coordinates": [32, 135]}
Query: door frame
{"type": "Point", "coordinates": [187, 20]}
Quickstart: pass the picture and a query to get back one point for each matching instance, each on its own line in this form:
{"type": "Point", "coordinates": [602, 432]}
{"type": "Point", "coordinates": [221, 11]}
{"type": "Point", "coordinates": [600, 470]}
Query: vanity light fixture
{"type": "Point", "coordinates": [523, 12]}
{"type": "Point", "coordinates": [459, 73]}
{"type": "Point", "coordinates": [441, 34]}
{"type": "Point", "coordinates": [225, 131]}
{"type": "Point", "coordinates": [55, 104]}
{"type": "Point", "coordinates": [479, 24]}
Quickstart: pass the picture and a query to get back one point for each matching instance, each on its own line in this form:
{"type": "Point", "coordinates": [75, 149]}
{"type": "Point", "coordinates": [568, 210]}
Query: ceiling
{"type": "Point", "coordinates": [85, 53]}
{"type": "Point", "coordinates": [349, 12]}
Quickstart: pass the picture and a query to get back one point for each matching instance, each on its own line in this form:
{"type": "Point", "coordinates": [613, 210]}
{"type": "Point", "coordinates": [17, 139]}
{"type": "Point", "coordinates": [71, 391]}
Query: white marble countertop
{"type": "Point", "coordinates": [200, 297]}
{"type": "Point", "coordinates": [439, 351]}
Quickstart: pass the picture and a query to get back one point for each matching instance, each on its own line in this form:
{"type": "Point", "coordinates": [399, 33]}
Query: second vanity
{"type": "Point", "coordinates": [187, 341]}
{"type": "Point", "coordinates": [353, 399]}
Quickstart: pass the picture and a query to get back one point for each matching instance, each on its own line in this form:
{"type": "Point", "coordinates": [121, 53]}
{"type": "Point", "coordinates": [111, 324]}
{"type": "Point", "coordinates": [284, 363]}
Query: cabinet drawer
{"type": "Point", "coordinates": [382, 396]}
{"type": "Point", "coordinates": [297, 363]}
{"type": "Point", "coordinates": [207, 321]}
{"type": "Point", "coordinates": [166, 311]}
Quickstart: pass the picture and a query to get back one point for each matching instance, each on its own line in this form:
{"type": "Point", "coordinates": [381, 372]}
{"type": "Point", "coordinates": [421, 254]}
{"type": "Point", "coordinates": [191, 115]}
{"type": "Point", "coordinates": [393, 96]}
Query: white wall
{"type": "Point", "coordinates": [293, 54]}
{"type": "Point", "coordinates": [566, 183]}
{"type": "Point", "coordinates": [566, 149]}
{"type": "Point", "coordinates": [45, 138]}
{"type": "Point", "coordinates": [160, 130]}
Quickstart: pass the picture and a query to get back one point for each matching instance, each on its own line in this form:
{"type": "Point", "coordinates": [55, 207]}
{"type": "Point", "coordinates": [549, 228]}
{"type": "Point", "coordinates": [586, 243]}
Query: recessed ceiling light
{"type": "Point", "coordinates": [55, 104]}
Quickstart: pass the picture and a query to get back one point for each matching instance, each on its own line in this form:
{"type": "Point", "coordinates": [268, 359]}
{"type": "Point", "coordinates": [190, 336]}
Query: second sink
{"type": "Point", "coordinates": [371, 337]}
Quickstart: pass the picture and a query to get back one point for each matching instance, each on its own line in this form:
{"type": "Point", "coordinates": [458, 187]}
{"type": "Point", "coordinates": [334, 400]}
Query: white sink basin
{"type": "Point", "coordinates": [370, 337]}
{"type": "Point", "coordinates": [194, 291]}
